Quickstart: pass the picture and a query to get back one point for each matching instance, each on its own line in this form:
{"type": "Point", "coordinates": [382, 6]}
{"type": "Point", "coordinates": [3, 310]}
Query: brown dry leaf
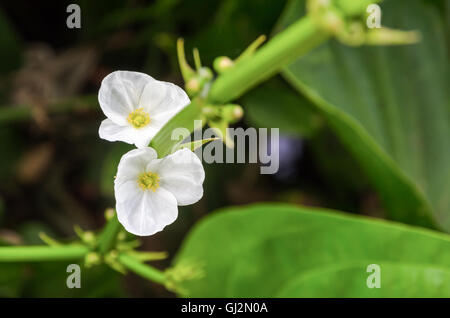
{"type": "Point", "coordinates": [34, 163]}
{"type": "Point", "coordinates": [47, 76]}
{"type": "Point", "coordinates": [10, 237]}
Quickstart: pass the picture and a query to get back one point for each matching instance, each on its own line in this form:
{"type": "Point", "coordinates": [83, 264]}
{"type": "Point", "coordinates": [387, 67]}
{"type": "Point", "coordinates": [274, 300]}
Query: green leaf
{"type": "Point", "coordinates": [275, 105]}
{"type": "Point", "coordinates": [163, 142]}
{"type": "Point", "coordinates": [220, 128]}
{"type": "Point", "coordinates": [390, 107]}
{"type": "Point", "coordinates": [11, 279]}
{"type": "Point", "coordinates": [270, 250]}
{"type": "Point", "coordinates": [48, 279]}
{"type": "Point", "coordinates": [404, 280]}
{"type": "Point", "coordinates": [109, 166]}
{"type": "Point", "coordinates": [193, 145]}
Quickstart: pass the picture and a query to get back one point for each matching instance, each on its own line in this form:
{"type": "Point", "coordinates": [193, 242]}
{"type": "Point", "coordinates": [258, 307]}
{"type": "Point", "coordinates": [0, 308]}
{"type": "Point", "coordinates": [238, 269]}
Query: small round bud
{"type": "Point", "coordinates": [353, 35]}
{"type": "Point", "coordinates": [109, 214]}
{"type": "Point", "coordinates": [238, 112]}
{"type": "Point", "coordinates": [206, 73]}
{"type": "Point", "coordinates": [222, 63]}
{"type": "Point", "coordinates": [88, 237]}
{"type": "Point", "coordinates": [232, 113]}
{"type": "Point", "coordinates": [193, 86]}
{"type": "Point", "coordinates": [92, 259]}
{"type": "Point", "coordinates": [121, 236]}
{"type": "Point", "coordinates": [113, 254]}
{"type": "Point", "coordinates": [332, 21]}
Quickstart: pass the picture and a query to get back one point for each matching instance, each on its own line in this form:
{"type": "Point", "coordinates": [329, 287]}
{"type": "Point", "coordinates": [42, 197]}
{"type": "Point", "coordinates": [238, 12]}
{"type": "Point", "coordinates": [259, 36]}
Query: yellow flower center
{"type": "Point", "coordinates": [138, 118]}
{"type": "Point", "coordinates": [148, 181]}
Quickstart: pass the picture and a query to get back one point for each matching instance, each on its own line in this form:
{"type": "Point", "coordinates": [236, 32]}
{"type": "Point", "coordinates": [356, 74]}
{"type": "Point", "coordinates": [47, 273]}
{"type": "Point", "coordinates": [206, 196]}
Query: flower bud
{"type": "Point", "coordinates": [109, 214]}
{"type": "Point", "coordinates": [205, 73]}
{"type": "Point", "coordinates": [182, 272]}
{"type": "Point", "coordinates": [353, 34]}
{"type": "Point", "coordinates": [89, 237]}
{"type": "Point", "coordinates": [92, 259]}
{"type": "Point", "coordinates": [232, 113]}
{"type": "Point", "coordinates": [332, 21]}
{"type": "Point", "coordinates": [222, 63]}
{"type": "Point", "coordinates": [193, 86]}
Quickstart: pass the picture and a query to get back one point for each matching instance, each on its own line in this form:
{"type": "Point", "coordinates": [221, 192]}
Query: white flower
{"type": "Point", "coordinates": [137, 106]}
{"type": "Point", "coordinates": [148, 190]}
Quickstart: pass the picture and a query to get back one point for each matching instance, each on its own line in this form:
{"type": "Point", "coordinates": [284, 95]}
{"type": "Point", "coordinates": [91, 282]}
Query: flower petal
{"type": "Point", "coordinates": [143, 136]}
{"type": "Point", "coordinates": [120, 92]}
{"type": "Point", "coordinates": [182, 174]}
{"type": "Point", "coordinates": [148, 212]}
{"type": "Point", "coordinates": [133, 163]}
{"type": "Point", "coordinates": [126, 189]}
{"type": "Point", "coordinates": [140, 137]}
{"type": "Point", "coordinates": [110, 131]}
{"type": "Point", "coordinates": [162, 100]}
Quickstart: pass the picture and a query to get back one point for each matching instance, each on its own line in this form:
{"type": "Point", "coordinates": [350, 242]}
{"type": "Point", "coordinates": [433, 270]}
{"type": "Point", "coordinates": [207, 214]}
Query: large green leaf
{"type": "Point", "coordinates": [390, 107]}
{"type": "Point", "coordinates": [270, 250]}
{"type": "Point", "coordinates": [403, 280]}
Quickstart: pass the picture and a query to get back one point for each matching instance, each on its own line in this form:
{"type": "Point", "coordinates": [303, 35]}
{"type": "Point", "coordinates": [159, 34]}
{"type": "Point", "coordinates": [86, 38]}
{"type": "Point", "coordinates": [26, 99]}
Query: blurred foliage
{"type": "Point", "coordinates": [269, 250]}
{"type": "Point", "coordinates": [390, 107]}
{"type": "Point", "coordinates": [274, 105]}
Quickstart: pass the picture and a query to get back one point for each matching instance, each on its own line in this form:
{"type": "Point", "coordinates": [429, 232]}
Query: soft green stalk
{"type": "Point", "coordinates": [108, 236]}
{"type": "Point", "coordinates": [284, 48]}
{"type": "Point", "coordinates": [144, 270]}
{"type": "Point", "coordinates": [163, 142]}
{"type": "Point", "coordinates": [14, 113]}
{"type": "Point", "coordinates": [42, 253]}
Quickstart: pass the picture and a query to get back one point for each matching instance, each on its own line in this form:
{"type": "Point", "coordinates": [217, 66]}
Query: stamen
{"type": "Point", "coordinates": [148, 181]}
{"type": "Point", "coordinates": [138, 118]}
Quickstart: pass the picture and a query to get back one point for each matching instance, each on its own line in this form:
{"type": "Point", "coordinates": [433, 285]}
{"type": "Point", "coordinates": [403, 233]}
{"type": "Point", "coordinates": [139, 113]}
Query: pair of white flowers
{"type": "Point", "coordinates": [148, 190]}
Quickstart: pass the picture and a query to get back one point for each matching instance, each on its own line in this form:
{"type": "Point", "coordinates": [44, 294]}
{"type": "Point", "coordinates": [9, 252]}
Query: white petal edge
{"type": "Point", "coordinates": [147, 212]}
{"type": "Point", "coordinates": [110, 131]}
{"type": "Point", "coordinates": [143, 136]}
{"type": "Point", "coordinates": [133, 163]}
{"type": "Point", "coordinates": [120, 93]}
{"type": "Point", "coordinates": [163, 99]}
{"type": "Point", "coordinates": [182, 174]}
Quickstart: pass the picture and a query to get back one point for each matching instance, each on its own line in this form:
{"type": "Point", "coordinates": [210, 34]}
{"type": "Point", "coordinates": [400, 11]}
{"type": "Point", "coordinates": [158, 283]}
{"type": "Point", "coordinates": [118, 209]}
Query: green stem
{"type": "Point", "coordinates": [284, 48]}
{"type": "Point", "coordinates": [14, 113]}
{"type": "Point", "coordinates": [42, 253]}
{"type": "Point", "coordinates": [163, 142]}
{"type": "Point", "coordinates": [281, 50]}
{"type": "Point", "coordinates": [144, 270]}
{"type": "Point", "coordinates": [108, 236]}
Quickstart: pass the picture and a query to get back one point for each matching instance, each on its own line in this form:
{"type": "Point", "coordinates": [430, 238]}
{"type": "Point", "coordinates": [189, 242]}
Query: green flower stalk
{"type": "Point", "coordinates": [284, 48]}
{"type": "Point", "coordinates": [42, 253]}
{"type": "Point", "coordinates": [136, 266]}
